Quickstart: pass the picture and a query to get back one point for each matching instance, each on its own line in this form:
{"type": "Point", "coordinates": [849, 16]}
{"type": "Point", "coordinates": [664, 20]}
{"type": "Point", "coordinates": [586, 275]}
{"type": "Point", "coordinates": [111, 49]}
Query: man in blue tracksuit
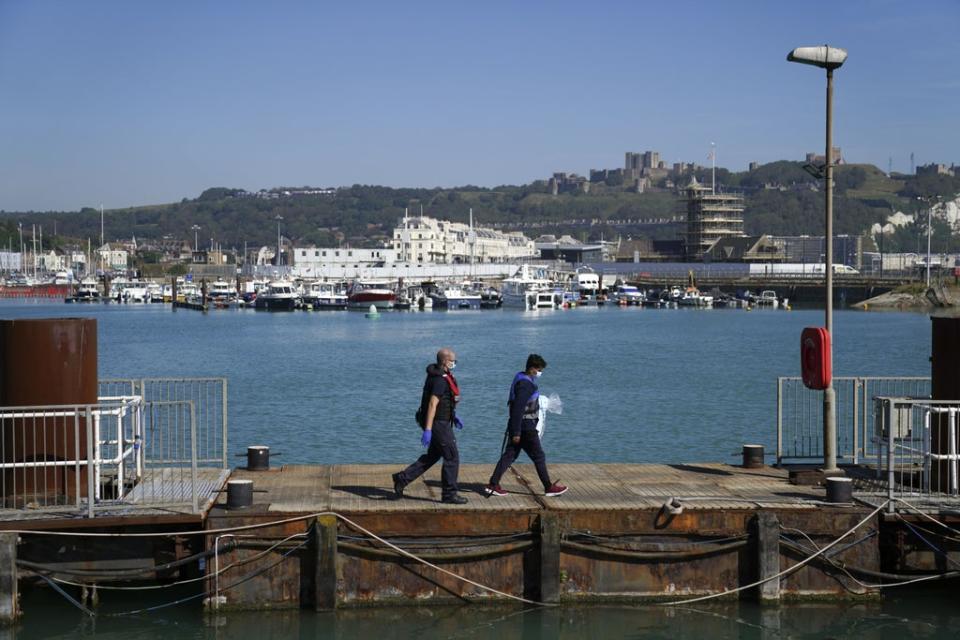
{"type": "Point", "coordinates": [524, 405]}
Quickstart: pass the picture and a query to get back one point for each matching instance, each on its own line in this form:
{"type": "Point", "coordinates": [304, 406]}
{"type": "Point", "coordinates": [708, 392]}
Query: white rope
{"type": "Point", "coordinates": [168, 585]}
{"type": "Point", "coordinates": [287, 521]}
{"type": "Point", "coordinates": [786, 571]}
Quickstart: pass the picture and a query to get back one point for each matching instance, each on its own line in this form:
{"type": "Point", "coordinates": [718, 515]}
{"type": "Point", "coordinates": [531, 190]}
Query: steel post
{"type": "Point", "coordinates": [829, 395]}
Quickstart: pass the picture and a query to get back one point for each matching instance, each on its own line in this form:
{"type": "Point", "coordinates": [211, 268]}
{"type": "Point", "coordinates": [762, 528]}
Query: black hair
{"type": "Point", "coordinates": [535, 361]}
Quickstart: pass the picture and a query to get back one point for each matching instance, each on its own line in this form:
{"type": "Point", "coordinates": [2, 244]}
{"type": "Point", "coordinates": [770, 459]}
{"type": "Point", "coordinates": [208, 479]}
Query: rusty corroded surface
{"type": "Point", "coordinates": [618, 506]}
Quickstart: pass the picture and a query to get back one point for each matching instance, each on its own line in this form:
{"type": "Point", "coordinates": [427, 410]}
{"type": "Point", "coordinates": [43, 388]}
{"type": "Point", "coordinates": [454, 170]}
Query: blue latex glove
{"type": "Point", "coordinates": [425, 438]}
{"type": "Point", "coordinates": [457, 422]}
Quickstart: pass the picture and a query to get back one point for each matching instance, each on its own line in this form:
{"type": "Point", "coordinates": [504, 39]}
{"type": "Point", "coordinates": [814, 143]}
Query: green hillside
{"type": "Point", "coordinates": [781, 198]}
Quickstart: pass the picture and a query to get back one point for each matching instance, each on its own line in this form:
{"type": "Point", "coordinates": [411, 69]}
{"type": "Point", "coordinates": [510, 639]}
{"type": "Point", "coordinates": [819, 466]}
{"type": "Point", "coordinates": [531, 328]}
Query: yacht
{"type": "Point", "coordinates": [278, 296]}
{"type": "Point", "coordinates": [586, 285]}
{"type": "Point", "coordinates": [135, 291]}
{"type": "Point", "coordinates": [324, 295]}
{"type": "Point", "coordinates": [364, 293]}
{"type": "Point", "coordinates": [529, 288]}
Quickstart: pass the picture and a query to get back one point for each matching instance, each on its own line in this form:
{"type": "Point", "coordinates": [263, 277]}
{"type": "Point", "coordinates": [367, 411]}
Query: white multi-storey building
{"type": "Point", "coordinates": [112, 258]}
{"type": "Point", "coordinates": [316, 257]}
{"type": "Point", "coordinates": [422, 239]}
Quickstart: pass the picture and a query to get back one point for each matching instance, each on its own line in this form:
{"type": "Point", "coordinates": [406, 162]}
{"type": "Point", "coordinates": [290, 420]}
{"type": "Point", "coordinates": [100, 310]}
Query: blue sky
{"type": "Point", "coordinates": [129, 103]}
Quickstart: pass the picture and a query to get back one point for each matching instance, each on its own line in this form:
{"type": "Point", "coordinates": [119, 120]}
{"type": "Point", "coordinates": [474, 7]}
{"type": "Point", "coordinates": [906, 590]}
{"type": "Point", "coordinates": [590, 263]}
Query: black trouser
{"type": "Point", "coordinates": [442, 445]}
{"type": "Point", "coordinates": [530, 443]}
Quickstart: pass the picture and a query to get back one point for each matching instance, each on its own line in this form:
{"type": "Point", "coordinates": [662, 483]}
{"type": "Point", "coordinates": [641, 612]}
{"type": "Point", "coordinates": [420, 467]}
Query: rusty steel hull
{"type": "Point", "coordinates": [369, 575]}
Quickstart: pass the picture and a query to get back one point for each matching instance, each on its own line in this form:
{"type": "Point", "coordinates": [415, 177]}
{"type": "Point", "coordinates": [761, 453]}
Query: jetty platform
{"type": "Point", "coordinates": [611, 537]}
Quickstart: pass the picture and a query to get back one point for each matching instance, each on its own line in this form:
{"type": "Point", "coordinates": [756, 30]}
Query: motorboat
{"type": "Point", "coordinates": [87, 291]}
{"type": "Point", "coordinates": [528, 288]}
{"type": "Point", "coordinates": [221, 290]}
{"type": "Point", "coordinates": [627, 294]}
{"type": "Point", "coordinates": [692, 297]}
{"type": "Point", "coordinates": [364, 293]}
{"type": "Point", "coordinates": [324, 295]}
{"type": "Point", "coordinates": [154, 292]}
{"type": "Point", "coordinates": [490, 298]}
{"type": "Point", "coordinates": [586, 285]}
{"type": "Point", "coordinates": [279, 295]}
{"type": "Point", "coordinates": [135, 292]}
{"type": "Point", "coordinates": [454, 297]}
{"type": "Point", "coordinates": [767, 298]}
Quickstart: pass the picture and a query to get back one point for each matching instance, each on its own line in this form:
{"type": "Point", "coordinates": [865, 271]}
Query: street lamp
{"type": "Point", "coordinates": [196, 237]}
{"type": "Point", "coordinates": [829, 58]}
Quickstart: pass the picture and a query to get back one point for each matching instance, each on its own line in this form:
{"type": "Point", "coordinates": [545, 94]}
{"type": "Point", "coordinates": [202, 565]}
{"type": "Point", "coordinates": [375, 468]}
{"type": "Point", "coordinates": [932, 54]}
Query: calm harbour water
{"type": "Point", "coordinates": [638, 385]}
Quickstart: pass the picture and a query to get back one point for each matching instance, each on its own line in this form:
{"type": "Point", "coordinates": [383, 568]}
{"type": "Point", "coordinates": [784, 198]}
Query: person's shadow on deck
{"type": "Point", "coordinates": [695, 469]}
{"type": "Point", "coordinates": [377, 493]}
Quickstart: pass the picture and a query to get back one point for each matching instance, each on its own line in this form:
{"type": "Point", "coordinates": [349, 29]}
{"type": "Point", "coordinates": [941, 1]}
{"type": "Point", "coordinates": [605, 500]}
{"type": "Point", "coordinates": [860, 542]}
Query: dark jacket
{"type": "Point", "coordinates": [524, 405]}
{"type": "Point", "coordinates": [436, 385]}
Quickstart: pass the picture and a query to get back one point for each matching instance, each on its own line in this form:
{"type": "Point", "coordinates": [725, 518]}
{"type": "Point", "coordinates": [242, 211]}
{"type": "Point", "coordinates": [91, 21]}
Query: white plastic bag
{"type": "Point", "coordinates": [551, 403]}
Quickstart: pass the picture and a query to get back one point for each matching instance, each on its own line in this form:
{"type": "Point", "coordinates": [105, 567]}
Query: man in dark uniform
{"type": "Point", "coordinates": [440, 395]}
{"type": "Point", "coordinates": [524, 404]}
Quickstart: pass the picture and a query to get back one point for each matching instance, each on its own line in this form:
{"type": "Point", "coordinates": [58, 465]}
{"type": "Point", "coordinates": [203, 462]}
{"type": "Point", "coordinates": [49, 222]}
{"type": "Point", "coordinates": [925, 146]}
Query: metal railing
{"type": "Point", "coordinates": [70, 455]}
{"type": "Point", "coordinates": [800, 415]}
{"type": "Point", "coordinates": [916, 447]}
{"type": "Point", "coordinates": [209, 396]}
{"type": "Point", "coordinates": [143, 444]}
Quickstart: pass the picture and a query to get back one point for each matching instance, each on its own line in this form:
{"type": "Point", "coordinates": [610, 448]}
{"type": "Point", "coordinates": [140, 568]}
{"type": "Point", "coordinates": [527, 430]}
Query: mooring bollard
{"type": "Point", "coordinates": [839, 490]}
{"type": "Point", "coordinates": [258, 458]}
{"type": "Point", "coordinates": [752, 456]}
{"type": "Point", "coordinates": [239, 494]}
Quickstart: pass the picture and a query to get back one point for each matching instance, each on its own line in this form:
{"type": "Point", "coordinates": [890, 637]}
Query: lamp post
{"type": "Point", "coordinates": [196, 237]}
{"type": "Point", "coordinates": [829, 58]}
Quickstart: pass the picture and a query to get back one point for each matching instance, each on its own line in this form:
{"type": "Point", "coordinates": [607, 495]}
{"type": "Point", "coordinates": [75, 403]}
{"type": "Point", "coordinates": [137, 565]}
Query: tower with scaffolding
{"type": "Point", "coordinates": [710, 217]}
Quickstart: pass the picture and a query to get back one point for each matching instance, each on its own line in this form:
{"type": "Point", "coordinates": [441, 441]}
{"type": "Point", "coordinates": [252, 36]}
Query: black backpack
{"type": "Point", "coordinates": [421, 415]}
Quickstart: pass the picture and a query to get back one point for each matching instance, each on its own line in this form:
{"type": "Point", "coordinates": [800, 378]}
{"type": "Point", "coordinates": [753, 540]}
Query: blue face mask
{"type": "Point", "coordinates": [452, 365]}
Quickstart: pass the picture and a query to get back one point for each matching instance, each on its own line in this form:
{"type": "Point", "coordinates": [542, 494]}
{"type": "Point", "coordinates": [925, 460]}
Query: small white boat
{"type": "Point", "coordinates": [324, 296]}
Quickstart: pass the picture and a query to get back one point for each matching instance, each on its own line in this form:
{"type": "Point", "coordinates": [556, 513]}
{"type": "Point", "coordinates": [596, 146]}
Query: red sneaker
{"type": "Point", "coordinates": [556, 489]}
{"type": "Point", "coordinates": [494, 490]}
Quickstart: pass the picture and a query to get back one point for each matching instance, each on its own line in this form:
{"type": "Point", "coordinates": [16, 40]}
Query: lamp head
{"type": "Point", "coordinates": [825, 57]}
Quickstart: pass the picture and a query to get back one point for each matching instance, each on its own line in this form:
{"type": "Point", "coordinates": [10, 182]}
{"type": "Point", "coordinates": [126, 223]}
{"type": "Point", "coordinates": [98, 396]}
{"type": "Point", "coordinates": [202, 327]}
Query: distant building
{"type": "Point", "coordinates": [647, 250]}
{"type": "Point", "coordinates": [568, 183]}
{"type": "Point", "coordinates": [753, 166]}
{"type": "Point", "coordinates": [422, 239]}
{"type": "Point", "coordinates": [568, 249]}
{"type": "Point", "coordinates": [11, 261]}
{"type": "Point", "coordinates": [319, 257]}
{"type": "Point", "coordinates": [820, 159]}
{"type": "Point", "coordinates": [847, 249]}
{"type": "Point", "coordinates": [112, 257]}
{"type": "Point", "coordinates": [710, 217]}
{"type": "Point", "coordinates": [745, 249]}
{"type": "Point", "coordinates": [937, 170]}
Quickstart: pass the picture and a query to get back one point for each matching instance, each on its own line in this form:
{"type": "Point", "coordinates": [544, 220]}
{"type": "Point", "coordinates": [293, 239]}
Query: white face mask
{"type": "Point", "coordinates": [539, 373]}
{"type": "Point", "coordinates": [452, 366]}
